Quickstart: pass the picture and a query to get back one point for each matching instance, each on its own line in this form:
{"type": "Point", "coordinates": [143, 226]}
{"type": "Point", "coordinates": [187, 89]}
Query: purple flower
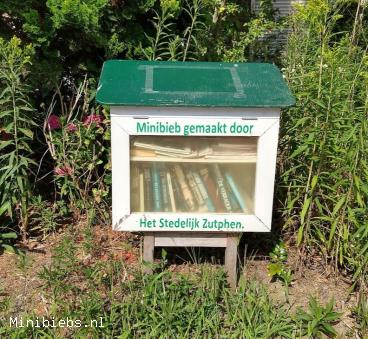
{"type": "Point", "coordinates": [53, 122]}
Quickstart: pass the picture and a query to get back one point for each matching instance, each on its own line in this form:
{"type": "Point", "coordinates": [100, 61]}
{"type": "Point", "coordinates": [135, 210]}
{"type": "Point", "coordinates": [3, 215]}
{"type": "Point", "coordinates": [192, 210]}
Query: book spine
{"type": "Point", "coordinates": [141, 191]}
{"type": "Point", "coordinates": [212, 189]}
{"type": "Point", "coordinates": [148, 198]}
{"type": "Point", "coordinates": [164, 190]}
{"type": "Point", "coordinates": [221, 186]}
{"type": "Point", "coordinates": [156, 188]}
{"type": "Point", "coordinates": [187, 194]}
{"type": "Point", "coordinates": [194, 188]}
{"type": "Point", "coordinates": [202, 189]}
{"type": "Point", "coordinates": [233, 202]}
{"type": "Point", "coordinates": [235, 191]}
{"type": "Point", "coordinates": [180, 203]}
{"type": "Point", "coordinates": [171, 191]}
{"type": "Point", "coordinates": [135, 189]}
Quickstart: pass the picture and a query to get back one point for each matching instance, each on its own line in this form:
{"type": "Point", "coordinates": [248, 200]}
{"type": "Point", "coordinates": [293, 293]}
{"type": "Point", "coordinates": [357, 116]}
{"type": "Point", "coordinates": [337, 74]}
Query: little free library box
{"type": "Point", "coordinates": [193, 150]}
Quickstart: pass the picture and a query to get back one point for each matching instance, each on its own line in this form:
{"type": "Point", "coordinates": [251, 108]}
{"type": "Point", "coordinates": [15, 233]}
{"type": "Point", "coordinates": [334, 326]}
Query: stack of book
{"type": "Point", "coordinates": [159, 187]}
{"type": "Point", "coordinates": [200, 148]}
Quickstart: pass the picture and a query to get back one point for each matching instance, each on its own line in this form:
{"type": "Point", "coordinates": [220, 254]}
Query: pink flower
{"type": "Point", "coordinates": [93, 119]}
{"type": "Point", "coordinates": [53, 122]}
{"type": "Point", "coordinates": [63, 171]}
{"type": "Point", "coordinates": [71, 127]}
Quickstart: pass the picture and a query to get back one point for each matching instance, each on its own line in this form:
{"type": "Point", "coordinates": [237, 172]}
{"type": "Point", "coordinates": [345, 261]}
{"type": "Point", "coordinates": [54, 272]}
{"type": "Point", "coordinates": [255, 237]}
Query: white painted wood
{"type": "Point", "coordinates": [190, 239]}
{"type": "Point", "coordinates": [265, 174]}
{"type": "Point", "coordinates": [205, 112]}
{"type": "Point", "coordinates": [265, 122]}
{"type": "Point", "coordinates": [150, 221]}
{"type": "Point", "coordinates": [255, 127]}
{"type": "Point", "coordinates": [120, 174]}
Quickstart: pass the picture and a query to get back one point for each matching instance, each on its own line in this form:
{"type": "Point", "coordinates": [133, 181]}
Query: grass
{"type": "Point", "coordinates": [129, 304]}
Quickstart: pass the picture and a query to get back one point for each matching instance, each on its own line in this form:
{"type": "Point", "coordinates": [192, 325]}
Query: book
{"type": "Point", "coordinates": [135, 152]}
{"type": "Point", "coordinates": [168, 148]}
{"type": "Point", "coordinates": [180, 203]}
{"type": "Point", "coordinates": [221, 186]}
{"type": "Point", "coordinates": [202, 189]}
{"type": "Point", "coordinates": [202, 148]}
{"type": "Point", "coordinates": [194, 188]}
{"type": "Point", "coordinates": [185, 191]}
{"type": "Point", "coordinates": [190, 155]}
{"type": "Point", "coordinates": [141, 191]}
{"type": "Point", "coordinates": [212, 189]}
{"type": "Point", "coordinates": [134, 188]}
{"type": "Point", "coordinates": [233, 202]}
{"type": "Point", "coordinates": [164, 190]}
{"type": "Point", "coordinates": [156, 188]}
{"type": "Point", "coordinates": [171, 191]}
{"type": "Point", "coordinates": [148, 198]}
{"type": "Point", "coordinates": [235, 191]}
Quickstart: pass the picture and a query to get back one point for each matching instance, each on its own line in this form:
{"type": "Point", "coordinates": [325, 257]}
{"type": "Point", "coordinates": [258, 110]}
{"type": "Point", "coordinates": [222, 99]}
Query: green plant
{"type": "Point", "coordinates": [197, 26]}
{"type": "Point", "coordinates": [324, 164]}
{"type": "Point", "coordinates": [360, 312]}
{"type": "Point", "coordinates": [64, 265]}
{"type": "Point", "coordinates": [94, 29]}
{"type": "Point", "coordinates": [277, 268]}
{"type": "Point", "coordinates": [318, 320]}
{"type": "Point", "coordinates": [165, 304]}
{"type": "Point", "coordinates": [162, 26]}
{"type": "Point", "coordinates": [167, 43]}
{"type": "Point", "coordinates": [17, 125]}
{"type": "Point", "coordinates": [45, 217]}
{"type": "Point", "coordinates": [77, 141]}
{"type": "Point", "coordinates": [4, 241]}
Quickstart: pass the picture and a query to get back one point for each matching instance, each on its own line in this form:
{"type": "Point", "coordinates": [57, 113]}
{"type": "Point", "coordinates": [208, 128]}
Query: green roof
{"type": "Point", "coordinates": [192, 84]}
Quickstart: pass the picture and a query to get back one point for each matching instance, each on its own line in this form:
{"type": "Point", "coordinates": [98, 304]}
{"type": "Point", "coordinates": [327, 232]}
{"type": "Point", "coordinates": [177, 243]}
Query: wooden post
{"type": "Point", "coordinates": [148, 250]}
{"type": "Point", "coordinates": [231, 256]}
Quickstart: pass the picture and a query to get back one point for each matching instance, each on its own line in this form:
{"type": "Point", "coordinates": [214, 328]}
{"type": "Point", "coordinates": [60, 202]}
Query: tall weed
{"type": "Point", "coordinates": [324, 145]}
{"type": "Point", "coordinates": [17, 124]}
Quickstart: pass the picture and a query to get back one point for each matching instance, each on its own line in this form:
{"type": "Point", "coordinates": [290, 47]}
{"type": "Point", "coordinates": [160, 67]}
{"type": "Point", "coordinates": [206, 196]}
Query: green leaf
{"type": "Point", "coordinates": [332, 232]}
{"type": "Point", "coordinates": [10, 235]}
{"type": "Point", "coordinates": [304, 210]}
{"type": "Point", "coordinates": [5, 207]}
{"type": "Point", "coordinates": [274, 269]}
{"type": "Point", "coordinates": [27, 132]}
{"type": "Point", "coordinates": [4, 144]}
{"type": "Point", "coordinates": [300, 235]}
{"type": "Point", "coordinates": [328, 329]}
{"type": "Point", "coordinates": [314, 181]}
{"type": "Point", "coordinates": [299, 150]}
{"type": "Point", "coordinates": [8, 248]}
{"type": "Point", "coordinates": [338, 205]}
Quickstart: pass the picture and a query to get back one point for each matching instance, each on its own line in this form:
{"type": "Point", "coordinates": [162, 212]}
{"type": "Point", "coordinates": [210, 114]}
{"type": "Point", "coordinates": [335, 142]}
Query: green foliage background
{"type": "Point", "coordinates": [75, 36]}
